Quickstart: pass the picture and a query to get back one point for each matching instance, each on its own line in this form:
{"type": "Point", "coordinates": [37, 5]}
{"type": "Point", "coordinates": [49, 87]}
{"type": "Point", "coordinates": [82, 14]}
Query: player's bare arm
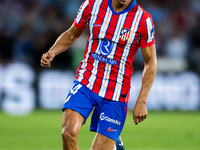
{"type": "Point", "coordinates": [64, 41]}
{"type": "Point", "coordinates": [148, 76]}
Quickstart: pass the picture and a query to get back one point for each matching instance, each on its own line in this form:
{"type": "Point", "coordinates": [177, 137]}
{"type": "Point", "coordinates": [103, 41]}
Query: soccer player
{"type": "Point", "coordinates": [117, 28]}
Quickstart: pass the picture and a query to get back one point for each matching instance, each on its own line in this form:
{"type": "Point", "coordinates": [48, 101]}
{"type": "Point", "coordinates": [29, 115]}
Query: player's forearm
{"type": "Point", "coordinates": [64, 41]}
{"type": "Point", "coordinates": [148, 77]}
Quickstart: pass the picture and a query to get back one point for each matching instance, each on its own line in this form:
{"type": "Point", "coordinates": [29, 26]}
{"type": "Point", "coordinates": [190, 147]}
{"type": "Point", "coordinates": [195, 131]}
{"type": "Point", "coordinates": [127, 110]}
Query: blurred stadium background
{"type": "Point", "coordinates": [28, 28]}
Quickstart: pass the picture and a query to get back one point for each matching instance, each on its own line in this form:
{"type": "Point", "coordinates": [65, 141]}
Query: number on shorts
{"type": "Point", "coordinates": [75, 89]}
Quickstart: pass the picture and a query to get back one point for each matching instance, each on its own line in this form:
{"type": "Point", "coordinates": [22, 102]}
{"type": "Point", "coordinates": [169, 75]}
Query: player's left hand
{"type": "Point", "coordinates": [139, 113]}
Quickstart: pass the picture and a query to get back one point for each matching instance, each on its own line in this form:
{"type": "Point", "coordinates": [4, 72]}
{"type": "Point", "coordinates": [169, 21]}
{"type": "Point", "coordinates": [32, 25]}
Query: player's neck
{"type": "Point", "coordinates": [119, 5]}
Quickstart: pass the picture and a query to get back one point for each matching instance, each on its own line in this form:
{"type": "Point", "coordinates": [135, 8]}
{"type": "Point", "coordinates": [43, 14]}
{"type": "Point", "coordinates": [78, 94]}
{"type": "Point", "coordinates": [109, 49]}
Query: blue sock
{"type": "Point", "coordinates": [119, 144]}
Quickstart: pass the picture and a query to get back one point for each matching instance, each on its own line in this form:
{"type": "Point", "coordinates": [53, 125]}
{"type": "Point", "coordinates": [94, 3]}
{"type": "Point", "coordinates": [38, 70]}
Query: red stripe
{"type": "Point", "coordinates": [112, 26]}
{"type": "Point", "coordinates": [96, 30]}
{"type": "Point", "coordinates": [99, 20]}
{"type": "Point", "coordinates": [130, 58]}
{"type": "Point", "coordinates": [120, 50]}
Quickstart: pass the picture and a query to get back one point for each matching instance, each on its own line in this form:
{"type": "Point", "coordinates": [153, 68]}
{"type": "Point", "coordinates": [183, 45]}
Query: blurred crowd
{"type": "Point", "coordinates": [28, 28]}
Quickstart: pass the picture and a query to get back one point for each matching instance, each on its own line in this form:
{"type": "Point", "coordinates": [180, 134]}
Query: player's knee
{"type": "Point", "coordinates": [66, 136]}
{"type": "Point", "coordinates": [69, 135]}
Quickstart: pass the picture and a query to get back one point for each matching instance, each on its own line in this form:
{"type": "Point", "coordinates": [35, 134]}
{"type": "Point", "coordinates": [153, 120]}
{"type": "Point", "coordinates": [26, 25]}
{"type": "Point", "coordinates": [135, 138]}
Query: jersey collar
{"type": "Point", "coordinates": [133, 4]}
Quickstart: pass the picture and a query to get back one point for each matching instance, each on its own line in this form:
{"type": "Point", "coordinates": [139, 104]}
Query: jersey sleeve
{"type": "Point", "coordinates": [147, 32]}
{"type": "Point", "coordinates": [81, 19]}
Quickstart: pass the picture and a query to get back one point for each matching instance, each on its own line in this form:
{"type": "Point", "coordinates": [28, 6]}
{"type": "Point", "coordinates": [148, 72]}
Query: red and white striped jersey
{"type": "Point", "coordinates": [113, 41]}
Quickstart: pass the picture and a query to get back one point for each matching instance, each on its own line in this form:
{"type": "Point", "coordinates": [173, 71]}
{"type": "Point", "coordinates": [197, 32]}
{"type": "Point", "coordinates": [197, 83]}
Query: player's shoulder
{"type": "Point", "coordinates": [88, 2]}
{"type": "Point", "coordinates": [92, 1]}
{"type": "Point", "coordinates": [87, 5]}
{"type": "Point", "coordinates": [145, 14]}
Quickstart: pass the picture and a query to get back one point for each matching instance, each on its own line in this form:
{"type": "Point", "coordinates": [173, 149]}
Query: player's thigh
{"type": "Point", "coordinates": [72, 122]}
{"type": "Point", "coordinates": [79, 100]}
{"type": "Point", "coordinates": [108, 118]}
{"type": "Point", "coordinates": [102, 142]}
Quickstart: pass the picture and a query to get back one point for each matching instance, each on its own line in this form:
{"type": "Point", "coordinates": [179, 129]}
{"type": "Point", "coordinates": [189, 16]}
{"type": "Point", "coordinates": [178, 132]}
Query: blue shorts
{"type": "Point", "coordinates": [108, 116]}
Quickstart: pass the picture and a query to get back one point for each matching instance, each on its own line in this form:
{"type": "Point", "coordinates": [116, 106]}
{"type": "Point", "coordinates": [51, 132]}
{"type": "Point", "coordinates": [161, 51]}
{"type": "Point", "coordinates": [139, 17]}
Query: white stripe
{"type": "Point", "coordinates": [102, 34]}
{"type": "Point", "coordinates": [126, 36]}
{"type": "Point", "coordinates": [79, 16]}
{"type": "Point", "coordinates": [125, 54]}
{"type": "Point", "coordinates": [122, 18]}
{"type": "Point", "coordinates": [135, 28]}
{"type": "Point", "coordinates": [95, 11]}
{"type": "Point", "coordinates": [94, 72]}
{"type": "Point", "coordinates": [105, 24]}
{"type": "Point", "coordinates": [108, 67]}
{"type": "Point", "coordinates": [106, 76]}
{"type": "Point", "coordinates": [80, 74]}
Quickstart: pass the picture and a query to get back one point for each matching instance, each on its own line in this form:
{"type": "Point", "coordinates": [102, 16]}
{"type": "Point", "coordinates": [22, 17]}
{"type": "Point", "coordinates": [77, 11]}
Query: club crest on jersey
{"type": "Point", "coordinates": [125, 34]}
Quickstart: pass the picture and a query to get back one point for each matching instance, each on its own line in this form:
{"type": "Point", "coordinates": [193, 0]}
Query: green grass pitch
{"type": "Point", "coordinates": [41, 130]}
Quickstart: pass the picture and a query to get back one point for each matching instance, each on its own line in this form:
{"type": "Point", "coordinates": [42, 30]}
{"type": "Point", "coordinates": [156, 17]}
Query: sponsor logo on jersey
{"type": "Point", "coordinates": [125, 34]}
{"type": "Point", "coordinates": [106, 118]}
{"type": "Point", "coordinates": [111, 130]}
{"type": "Point", "coordinates": [104, 59]}
{"type": "Point", "coordinates": [106, 47]}
{"type": "Point", "coordinates": [97, 25]}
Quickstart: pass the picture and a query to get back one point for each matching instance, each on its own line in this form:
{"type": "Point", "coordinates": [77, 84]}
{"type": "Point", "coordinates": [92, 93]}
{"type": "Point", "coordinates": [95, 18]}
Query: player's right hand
{"type": "Point", "coordinates": [47, 59]}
